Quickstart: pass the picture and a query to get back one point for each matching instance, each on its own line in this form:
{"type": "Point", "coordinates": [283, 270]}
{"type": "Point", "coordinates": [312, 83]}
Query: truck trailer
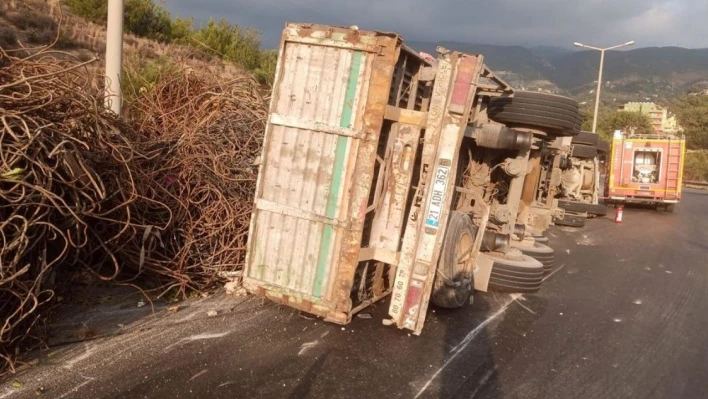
{"type": "Point", "coordinates": [385, 172]}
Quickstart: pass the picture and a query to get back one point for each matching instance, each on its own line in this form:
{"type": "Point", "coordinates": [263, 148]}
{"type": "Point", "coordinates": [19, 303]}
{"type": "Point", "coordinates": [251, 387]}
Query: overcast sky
{"type": "Point", "coordinates": [511, 22]}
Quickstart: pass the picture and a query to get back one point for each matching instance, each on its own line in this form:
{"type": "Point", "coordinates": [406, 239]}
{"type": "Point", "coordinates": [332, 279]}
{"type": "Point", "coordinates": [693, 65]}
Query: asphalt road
{"type": "Point", "coordinates": [625, 315]}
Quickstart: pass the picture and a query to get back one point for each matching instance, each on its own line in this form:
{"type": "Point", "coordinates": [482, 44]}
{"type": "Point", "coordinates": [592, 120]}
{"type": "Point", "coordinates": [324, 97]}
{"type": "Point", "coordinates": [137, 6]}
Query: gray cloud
{"type": "Point", "coordinates": [524, 22]}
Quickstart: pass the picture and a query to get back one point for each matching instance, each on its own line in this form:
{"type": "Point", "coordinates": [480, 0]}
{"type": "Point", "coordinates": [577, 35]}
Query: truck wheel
{"type": "Point", "coordinates": [583, 151]}
{"type": "Point", "coordinates": [588, 138]}
{"type": "Point", "coordinates": [570, 221]}
{"type": "Point", "coordinates": [542, 253]}
{"type": "Point", "coordinates": [515, 272]}
{"type": "Point", "coordinates": [556, 115]}
{"type": "Point", "coordinates": [603, 146]}
{"type": "Point", "coordinates": [581, 207]}
{"type": "Point", "coordinates": [453, 284]}
{"type": "Point", "coordinates": [540, 239]}
{"type": "Point", "coordinates": [670, 208]}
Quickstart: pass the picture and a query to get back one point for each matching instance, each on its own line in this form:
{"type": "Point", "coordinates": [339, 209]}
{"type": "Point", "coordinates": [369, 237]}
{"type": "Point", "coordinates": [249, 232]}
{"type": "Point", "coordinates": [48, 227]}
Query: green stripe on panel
{"type": "Point", "coordinates": [337, 173]}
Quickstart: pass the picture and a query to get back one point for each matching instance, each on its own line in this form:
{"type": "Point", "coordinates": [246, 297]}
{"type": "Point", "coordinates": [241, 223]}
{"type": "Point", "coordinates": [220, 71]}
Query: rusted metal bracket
{"type": "Point", "coordinates": [406, 116]}
{"type": "Point", "coordinates": [315, 126]}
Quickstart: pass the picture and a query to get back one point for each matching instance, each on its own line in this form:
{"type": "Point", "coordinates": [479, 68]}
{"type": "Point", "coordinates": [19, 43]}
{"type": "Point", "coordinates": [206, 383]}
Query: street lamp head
{"type": "Point", "coordinates": [629, 43]}
{"type": "Point", "coordinates": [578, 44]}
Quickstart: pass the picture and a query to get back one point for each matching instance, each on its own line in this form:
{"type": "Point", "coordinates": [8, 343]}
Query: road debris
{"type": "Point", "coordinates": [363, 316]}
{"type": "Point", "coordinates": [198, 374]}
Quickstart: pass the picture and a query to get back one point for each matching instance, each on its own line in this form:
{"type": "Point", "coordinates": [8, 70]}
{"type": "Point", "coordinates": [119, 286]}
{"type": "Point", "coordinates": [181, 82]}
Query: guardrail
{"type": "Point", "coordinates": [697, 184]}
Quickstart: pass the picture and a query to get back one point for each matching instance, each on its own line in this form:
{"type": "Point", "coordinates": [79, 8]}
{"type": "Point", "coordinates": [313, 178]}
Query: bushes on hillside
{"type": "Point", "coordinates": [230, 42]}
{"type": "Point", "coordinates": [147, 19]}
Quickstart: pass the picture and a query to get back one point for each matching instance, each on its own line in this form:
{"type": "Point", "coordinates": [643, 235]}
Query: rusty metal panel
{"type": "Point", "coordinates": [453, 95]}
{"type": "Point", "coordinates": [315, 173]}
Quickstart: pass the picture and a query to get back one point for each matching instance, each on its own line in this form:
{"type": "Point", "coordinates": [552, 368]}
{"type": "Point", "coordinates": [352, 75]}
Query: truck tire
{"type": "Point", "coordinates": [515, 272]}
{"type": "Point", "coordinates": [542, 253]}
{"type": "Point", "coordinates": [556, 115]}
{"type": "Point", "coordinates": [581, 207]}
{"type": "Point", "coordinates": [584, 137]}
{"type": "Point", "coordinates": [583, 151]}
{"type": "Point", "coordinates": [570, 221]}
{"type": "Point", "coordinates": [603, 146]}
{"type": "Point", "coordinates": [540, 239]}
{"type": "Point", "coordinates": [670, 208]}
{"type": "Point", "coordinates": [453, 285]}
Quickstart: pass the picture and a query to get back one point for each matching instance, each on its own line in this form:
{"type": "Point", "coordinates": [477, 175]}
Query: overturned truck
{"type": "Point", "coordinates": [386, 172]}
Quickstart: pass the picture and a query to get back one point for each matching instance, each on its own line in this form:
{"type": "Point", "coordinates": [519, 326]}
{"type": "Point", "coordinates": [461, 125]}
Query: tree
{"type": "Point", "coordinates": [692, 115]}
{"type": "Point", "coordinates": [620, 120]}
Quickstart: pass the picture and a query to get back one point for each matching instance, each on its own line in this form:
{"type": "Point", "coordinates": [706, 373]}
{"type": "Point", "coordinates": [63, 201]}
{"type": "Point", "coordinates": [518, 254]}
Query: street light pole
{"type": "Point", "coordinates": [599, 78]}
{"type": "Point", "coordinates": [114, 56]}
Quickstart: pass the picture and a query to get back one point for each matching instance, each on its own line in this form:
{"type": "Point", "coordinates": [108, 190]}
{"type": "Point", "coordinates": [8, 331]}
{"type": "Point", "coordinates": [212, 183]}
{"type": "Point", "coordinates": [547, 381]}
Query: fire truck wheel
{"type": "Point", "coordinates": [553, 114]}
{"type": "Point", "coordinates": [670, 208]}
{"type": "Point", "coordinates": [542, 253]}
{"type": "Point", "coordinates": [581, 207]}
{"type": "Point", "coordinates": [584, 137]}
{"type": "Point", "coordinates": [583, 151]}
{"type": "Point", "coordinates": [453, 283]}
{"type": "Point", "coordinates": [516, 272]}
{"type": "Point", "coordinates": [570, 221]}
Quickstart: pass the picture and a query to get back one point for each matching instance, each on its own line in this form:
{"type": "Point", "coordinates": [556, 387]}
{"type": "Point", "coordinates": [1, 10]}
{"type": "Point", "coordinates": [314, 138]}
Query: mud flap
{"type": "Point", "coordinates": [482, 272]}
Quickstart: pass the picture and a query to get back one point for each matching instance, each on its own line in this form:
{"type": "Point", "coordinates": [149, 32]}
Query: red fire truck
{"type": "Point", "coordinates": [646, 169]}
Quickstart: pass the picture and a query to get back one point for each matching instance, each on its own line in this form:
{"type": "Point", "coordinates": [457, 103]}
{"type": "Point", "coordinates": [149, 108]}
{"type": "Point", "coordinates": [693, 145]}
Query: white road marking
{"type": "Point", "coordinates": [554, 272]}
{"type": "Point", "coordinates": [76, 388]}
{"type": "Point", "coordinates": [307, 346]}
{"type": "Point", "coordinates": [198, 374]}
{"type": "Point", "coordinates": [199, 337]}
{"type": "Point", "coordinates": [523, 306]}
{"type": "Point", "coordinates": [466, 341]}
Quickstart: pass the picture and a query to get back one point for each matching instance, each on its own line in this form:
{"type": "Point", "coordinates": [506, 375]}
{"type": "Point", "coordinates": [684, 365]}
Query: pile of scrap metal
{"type": "Point", "coordinates": [387, 172]}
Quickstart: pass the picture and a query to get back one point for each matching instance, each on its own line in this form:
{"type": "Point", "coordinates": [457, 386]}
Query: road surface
{"type": "Point", "coordinates": [625, 315]}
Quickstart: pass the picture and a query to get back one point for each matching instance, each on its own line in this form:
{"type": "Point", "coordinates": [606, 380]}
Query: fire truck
{"type": "Point", "coordinates": [646, 169]}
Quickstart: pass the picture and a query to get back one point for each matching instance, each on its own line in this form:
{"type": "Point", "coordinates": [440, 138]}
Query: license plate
{"type": "Point", "coordinates": [437, 197]}
{"type": "Point", "coordinates": [646, 193]}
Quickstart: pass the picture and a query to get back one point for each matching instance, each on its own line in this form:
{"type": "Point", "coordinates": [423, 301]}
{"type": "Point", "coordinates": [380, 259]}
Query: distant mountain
{"type": "Point", "coordinates": [654, 73]}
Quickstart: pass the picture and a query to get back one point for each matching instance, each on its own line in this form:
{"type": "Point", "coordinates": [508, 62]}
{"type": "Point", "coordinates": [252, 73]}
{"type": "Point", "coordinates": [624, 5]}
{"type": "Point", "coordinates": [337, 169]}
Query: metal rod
{"type": "Point", "coordinates": [114, 56]}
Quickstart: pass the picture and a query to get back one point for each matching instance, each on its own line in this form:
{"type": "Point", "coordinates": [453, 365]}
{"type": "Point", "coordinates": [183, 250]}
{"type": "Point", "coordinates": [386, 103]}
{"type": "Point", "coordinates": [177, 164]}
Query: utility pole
{"type": "Point", "coordinates": [599, 78]}
{"type": "Point", "coordinates": [114, 56]}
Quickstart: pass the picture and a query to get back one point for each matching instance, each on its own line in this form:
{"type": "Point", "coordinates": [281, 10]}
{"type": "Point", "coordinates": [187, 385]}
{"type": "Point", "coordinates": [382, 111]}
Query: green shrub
{"type": "Point", "coordinates": [8, 38]}
{"type": "Point", "coordinates": [265, 73]}
{"type": "Point", "coordinates": [230, 42]}
{"type": "Point", "coordinates": [181, 30]}
{"type": "Point", "coordinates": [139, 75]}
{"type": "Point", "coordinates": [146, 19]}
{"type": "Point", "coordinates": [143, 18]}
{"type": "Point", "coordinates": [696, 166]}
{"type": "Point", "coordinates": [94, 10]}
